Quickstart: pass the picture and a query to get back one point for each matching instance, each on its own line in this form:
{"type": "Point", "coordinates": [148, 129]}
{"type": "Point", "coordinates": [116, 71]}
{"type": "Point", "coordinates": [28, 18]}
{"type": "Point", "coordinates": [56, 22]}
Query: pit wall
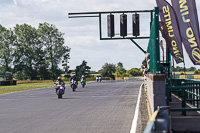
{"type": "Point", "coordinates": [155, 92]}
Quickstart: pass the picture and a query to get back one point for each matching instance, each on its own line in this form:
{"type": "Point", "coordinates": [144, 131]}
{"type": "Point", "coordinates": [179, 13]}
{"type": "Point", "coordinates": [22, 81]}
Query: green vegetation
{"type": "Point", "coordinates": [111, 70]}
{"type": "Point", "coordinates": [179, 69]}
{"type": "Point", "coordinates": [33, 53]}
{"type": "Point", "coordinates": [82, 69]}
{"type": "Point", "coordinates": [122, 72]}
{"type": "Point", "coordinates": [24, 86]}
{"type": "Point", "coordinates": [107, 70]}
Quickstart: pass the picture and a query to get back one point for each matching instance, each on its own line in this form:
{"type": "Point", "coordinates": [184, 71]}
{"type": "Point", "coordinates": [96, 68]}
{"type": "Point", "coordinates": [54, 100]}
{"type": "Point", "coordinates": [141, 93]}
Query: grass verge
{"type": "Point", "coordinates": [27, 86]}
{"type": "Point", "coordinates": [24, 86]}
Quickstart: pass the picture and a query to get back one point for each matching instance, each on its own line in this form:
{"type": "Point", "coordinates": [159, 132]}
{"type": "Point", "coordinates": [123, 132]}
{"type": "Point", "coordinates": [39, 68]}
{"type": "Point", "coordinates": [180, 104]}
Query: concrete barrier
{"type": "Point", "coordinates": [155, 91]}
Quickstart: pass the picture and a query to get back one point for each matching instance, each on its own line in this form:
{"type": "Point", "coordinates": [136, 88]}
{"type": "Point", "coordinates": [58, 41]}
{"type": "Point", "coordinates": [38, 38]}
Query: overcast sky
{"type": "Point", "coordinates": [82, 35]}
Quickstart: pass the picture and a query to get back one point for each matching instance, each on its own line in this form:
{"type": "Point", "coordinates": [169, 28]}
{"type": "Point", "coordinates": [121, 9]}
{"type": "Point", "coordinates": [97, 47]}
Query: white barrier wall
{"type": "Point", "coordinates": [155, 91]}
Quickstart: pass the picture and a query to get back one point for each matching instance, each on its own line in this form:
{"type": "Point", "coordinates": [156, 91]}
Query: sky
{"type": "Point", "coordinates": [82, 34]}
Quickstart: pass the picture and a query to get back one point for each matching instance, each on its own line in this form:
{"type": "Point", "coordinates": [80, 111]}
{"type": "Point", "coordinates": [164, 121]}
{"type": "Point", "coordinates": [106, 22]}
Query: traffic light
{"type": "Point", "coordinates": [123, 25]}
{"type": "Point", "coordinates": [136, 26]}
{"type": "Point", "coordinates": [110, 24]}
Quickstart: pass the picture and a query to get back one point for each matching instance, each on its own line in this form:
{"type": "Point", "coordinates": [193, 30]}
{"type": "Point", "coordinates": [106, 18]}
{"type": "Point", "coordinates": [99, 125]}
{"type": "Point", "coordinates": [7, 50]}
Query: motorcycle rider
{"type": "Point", "coordinates": [74, 78]}
{"type": "Point", "coordinates": [100, 78]}
{"type": "Point", "coordinates": [60, 81]}
{"type": "Point", "coordinates": [84, 79]}
{"type": "Point", "coordinates": [97, 78]}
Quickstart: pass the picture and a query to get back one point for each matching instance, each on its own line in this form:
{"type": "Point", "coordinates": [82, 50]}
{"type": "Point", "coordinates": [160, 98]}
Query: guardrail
{"type": "Point", "coordinates": [186, 89]}
{"type": "Point", "coordinates": [160, 121]}
{"type": "Point", "coordinates": [188, 76]}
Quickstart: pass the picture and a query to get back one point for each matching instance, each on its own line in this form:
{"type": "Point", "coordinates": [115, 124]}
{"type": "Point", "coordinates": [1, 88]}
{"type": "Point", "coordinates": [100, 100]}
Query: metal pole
{"type": "Point", "coordinates": [157, 40]}
{"type": "Point", "coordinates": [138, 46]}
{"type": "Point", "coordinates": [100, 33]}
{"type": "Point", "coordinates": [184, 68]}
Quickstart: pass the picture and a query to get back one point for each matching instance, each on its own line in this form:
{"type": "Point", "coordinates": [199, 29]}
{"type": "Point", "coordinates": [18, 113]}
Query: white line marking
{"type": "Point", "coordinates": [135, 119]}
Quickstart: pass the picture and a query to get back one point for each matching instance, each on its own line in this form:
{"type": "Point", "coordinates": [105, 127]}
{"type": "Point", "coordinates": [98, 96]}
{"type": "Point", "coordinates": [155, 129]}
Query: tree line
{"type": "Point", "coordinates": [179, 69]}
{"type": "Point", "coordinates": [31, 53]}
{"type": "Point", "coordinates": [113, 70]}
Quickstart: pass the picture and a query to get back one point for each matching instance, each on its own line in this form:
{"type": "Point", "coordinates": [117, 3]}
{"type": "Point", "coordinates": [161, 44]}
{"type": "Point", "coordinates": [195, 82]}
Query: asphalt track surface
{"type": "Point", "coordinates": [106, 107]}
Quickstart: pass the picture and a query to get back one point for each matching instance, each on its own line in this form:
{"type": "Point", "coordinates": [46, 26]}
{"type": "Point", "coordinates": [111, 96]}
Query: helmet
{"type": "Point", "coordinates": [82, 76]}
{"type": "Point", "coordinates": [59, 78]}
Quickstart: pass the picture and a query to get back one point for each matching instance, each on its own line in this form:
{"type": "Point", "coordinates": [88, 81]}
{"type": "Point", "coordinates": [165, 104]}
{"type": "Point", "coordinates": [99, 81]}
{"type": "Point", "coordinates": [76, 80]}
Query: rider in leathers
{"type": "Point", "coordinates": [74, 78]}
{"type": "Point", "coordinates": [60, 82]}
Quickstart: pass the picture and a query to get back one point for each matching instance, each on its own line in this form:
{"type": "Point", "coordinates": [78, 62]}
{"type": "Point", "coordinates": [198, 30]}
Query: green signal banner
{"type": "Point", "coordinates": [188, 21]}
{"type": "Point", "coordinates": [170, 30]}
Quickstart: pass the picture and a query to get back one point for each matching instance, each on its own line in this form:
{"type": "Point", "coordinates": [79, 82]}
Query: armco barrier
{"type": "Point", "coordinates": [176, 76]}
{"type": "Point", "coordinates": [190, 76]}
{"type": "Point", "coordinates": [125, 78]}
{"type": "Point", "coordinates": [196, 76]}
{"type": "Point", "coordinates": [160, 121]}
{"type": "Point", "coordinates": [183, 76]}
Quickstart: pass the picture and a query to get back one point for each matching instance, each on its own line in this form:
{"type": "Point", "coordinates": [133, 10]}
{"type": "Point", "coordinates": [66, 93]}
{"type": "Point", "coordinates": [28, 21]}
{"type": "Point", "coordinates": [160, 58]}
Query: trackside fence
{"type": "Point", "coordinates": [187, 90]}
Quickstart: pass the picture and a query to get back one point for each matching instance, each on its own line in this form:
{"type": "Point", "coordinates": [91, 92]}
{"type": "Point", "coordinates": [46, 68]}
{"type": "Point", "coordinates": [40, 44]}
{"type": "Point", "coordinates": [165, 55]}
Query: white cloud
{"type": "Point", "coordinates": [15, 2]}
{"type": "Point", "coordinates": [82, 35]}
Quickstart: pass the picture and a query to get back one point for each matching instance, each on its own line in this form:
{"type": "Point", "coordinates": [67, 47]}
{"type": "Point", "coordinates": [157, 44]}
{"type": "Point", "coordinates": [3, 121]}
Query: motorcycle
{"type": "Point", "coordinates": [60, 89]}
{"type": "Point", "coordinates": [83, 82]}
{"type": "Point", "coordinates": [73, 85]}
{"type": "Point", "coordinates": [97, 79]}
{"type": "Point", "coordinates": [100, 79]}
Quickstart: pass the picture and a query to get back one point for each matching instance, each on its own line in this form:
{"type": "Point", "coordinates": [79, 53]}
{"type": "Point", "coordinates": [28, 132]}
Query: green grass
{"type": "Point", "coordinates": [24, 86]}
{"type": "Point", "coordinates": [27, 86]}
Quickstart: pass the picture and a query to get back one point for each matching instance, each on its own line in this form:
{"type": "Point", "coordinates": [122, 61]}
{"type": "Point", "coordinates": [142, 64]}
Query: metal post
{"type": "Point", "coordinates": [100, 33]}
{"type": "Point", "coordinates": [151, 13]}
{"type": "Point", "coordinates": [138, 46]}
{"type": "Point", "coordinates": [183, 101]}
{"type": "Point", "coordinates": [157, 40]}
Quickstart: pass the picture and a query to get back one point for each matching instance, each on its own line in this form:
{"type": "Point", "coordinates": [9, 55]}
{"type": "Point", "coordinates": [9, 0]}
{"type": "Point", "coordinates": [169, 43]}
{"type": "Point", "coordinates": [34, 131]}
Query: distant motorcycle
{"type": "Point", "coordinates": [100, 79]}
{"type": "Point", "coordinates": [60, 89]}
{"type": "Point", "coordinates": [73, 85]}
{"type": "Point", "coordinates": [83, 82]}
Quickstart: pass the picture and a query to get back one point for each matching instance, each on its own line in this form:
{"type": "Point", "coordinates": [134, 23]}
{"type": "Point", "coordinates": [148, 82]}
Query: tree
{"type": "Point", "coordinates": [121, 72]}
{"type": "Point", "coordinates": [7, 38]}
{"type": "Point", "coordinates": [134, 72]}
{"type": "Point", "coordinates": [2, 70]}
{"type": "Point", "coordinates": [82, 69]}
{"type": "Point", "coordinates": [26, 48]}
{"type": "Point", "coordinates": [119, 65]}
{"type": "Point", "coordinates": [191, 69]}
{"type": "Point", "coordinates": [41, 65]}
{"type": "Point", "coordinates": [178, 69]}
{"type": "Point", "coordinates": [53, 41]}
{"type": "Point", "coordinates": [196, 72]}
{"type": "Point", "coordinates": [107, 70]}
